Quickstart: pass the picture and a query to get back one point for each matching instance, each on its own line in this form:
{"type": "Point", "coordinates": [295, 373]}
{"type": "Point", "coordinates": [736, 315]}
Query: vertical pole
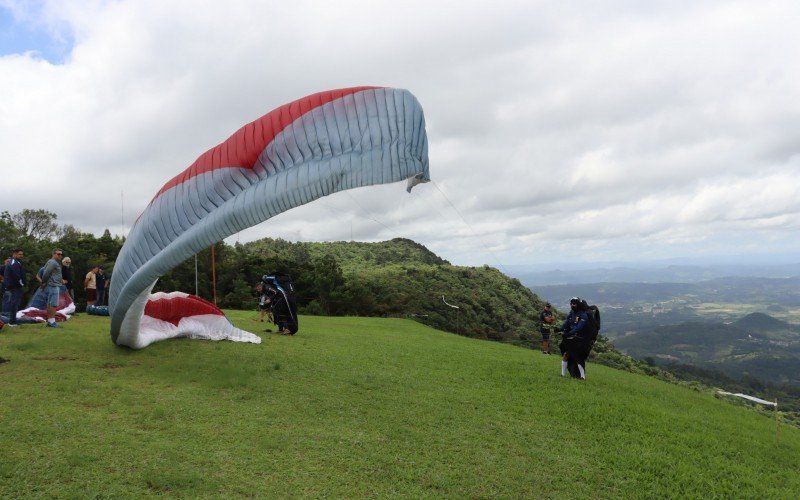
{"type": "Point", "coordinates": [777, 422]}
{"type": "Point", "coordinates": [122, 211]}
{"type": "Point", "coordinates": [213, 275]}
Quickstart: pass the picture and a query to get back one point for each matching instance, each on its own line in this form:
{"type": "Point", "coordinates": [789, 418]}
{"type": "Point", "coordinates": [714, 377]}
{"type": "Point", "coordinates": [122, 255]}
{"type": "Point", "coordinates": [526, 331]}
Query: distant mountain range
{"type": "Point", "coordinates": [655, 274]}
{"type": "Point", "coordinates": [776, 293]}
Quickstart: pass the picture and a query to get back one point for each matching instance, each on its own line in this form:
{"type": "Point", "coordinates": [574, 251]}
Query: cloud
{"type": "Point", "coordinates": [615, 129]}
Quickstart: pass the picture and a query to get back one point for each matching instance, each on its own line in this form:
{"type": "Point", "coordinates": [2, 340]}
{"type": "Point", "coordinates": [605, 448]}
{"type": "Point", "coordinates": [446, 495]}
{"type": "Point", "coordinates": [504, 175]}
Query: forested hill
{"type": "Point", "coordinates": [398, 278]}
{"type": "Point", "coordinates": [761, 321]}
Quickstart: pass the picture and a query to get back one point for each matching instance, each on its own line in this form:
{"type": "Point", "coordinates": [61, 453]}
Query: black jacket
{"type": "Point", "coordinates": [14, 275]}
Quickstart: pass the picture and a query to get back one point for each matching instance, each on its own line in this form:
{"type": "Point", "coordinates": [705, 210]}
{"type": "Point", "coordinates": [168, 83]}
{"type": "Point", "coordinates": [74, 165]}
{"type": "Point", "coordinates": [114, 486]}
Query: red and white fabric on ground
{"type": "Point", "coordinates": [37, 307]}
{"type": "Point", "coordinates": [179, 314]}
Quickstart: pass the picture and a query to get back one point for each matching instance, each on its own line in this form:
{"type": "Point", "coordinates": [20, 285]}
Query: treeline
{"type": "Point", "coordinates": [397, 278]}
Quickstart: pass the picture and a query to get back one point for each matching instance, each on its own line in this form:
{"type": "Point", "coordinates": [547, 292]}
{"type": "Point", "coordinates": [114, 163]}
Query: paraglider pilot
{"type": "Point", "coordinates": [279, 290]}
{"type": "Point", "coordinates": [576, 343]}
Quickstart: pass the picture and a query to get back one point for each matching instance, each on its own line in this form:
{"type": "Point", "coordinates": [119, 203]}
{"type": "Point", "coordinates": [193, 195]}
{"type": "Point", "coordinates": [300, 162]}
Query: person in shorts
{"type": "Point", "coordinates": [90, 286]}
{"type": "Point", "coordinates": [548, 320]}
{"type": "Point", "coordinates": [52, 281]}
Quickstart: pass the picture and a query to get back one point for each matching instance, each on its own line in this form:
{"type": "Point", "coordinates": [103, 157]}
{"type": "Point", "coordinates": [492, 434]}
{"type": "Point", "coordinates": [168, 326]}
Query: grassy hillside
{"type": "Point", "coordinates": [352, 407]}
{"type": "Point", "coordinates": [397, 278]}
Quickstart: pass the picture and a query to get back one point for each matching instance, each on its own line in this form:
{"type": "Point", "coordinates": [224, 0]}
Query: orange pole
{"type": "Point", "coordinates": [213, 275]}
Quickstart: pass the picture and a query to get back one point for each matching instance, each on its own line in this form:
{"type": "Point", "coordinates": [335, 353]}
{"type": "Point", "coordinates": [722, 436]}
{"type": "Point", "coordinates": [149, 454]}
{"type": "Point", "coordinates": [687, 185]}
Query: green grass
{"type": "Point", "coordinates": [354, 407]}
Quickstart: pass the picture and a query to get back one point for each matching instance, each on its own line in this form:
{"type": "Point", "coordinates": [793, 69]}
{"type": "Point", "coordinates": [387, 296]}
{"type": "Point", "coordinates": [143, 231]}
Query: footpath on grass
{"type": "Point", "coordinates": [362, 406]}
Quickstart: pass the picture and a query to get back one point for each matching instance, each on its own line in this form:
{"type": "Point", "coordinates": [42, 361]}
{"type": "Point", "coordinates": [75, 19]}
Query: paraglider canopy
{"type": "Point", "coordinates": [301, 151]}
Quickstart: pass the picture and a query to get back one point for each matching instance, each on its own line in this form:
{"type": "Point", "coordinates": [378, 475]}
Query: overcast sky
{"type": "Point", "coordinates": [559, 131]}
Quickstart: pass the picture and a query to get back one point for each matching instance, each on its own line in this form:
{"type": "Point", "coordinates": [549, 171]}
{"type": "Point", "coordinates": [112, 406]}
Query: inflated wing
{"type": "Point", "coordinates": [309, 148]}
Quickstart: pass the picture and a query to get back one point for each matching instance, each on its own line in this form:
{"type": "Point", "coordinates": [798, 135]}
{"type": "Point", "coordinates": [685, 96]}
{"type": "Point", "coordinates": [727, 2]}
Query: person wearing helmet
{"type": "Point", "coordinates": [573, 347]}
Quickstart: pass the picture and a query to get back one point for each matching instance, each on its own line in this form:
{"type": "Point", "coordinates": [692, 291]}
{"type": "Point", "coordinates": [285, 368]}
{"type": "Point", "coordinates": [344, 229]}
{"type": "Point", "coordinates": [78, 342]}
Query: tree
{"type": "Point", "coordinates": [9, 234]}
{"type": "Point", "coordinates": [327, 279]}
{"type": "Point", "coordinates": [37, 224]}
{"type": "Point", "coordinates": [107, 247]}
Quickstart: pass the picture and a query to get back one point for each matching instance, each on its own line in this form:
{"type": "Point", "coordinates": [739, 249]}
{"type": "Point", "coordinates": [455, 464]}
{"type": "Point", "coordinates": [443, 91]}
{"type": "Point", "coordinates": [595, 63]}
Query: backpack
{"type": "Point", "coordinates": [282, 280]}
{"type": "Point", "coordinates": [593, 325]}
{"type": "Point", "coordinates": [284, 302]}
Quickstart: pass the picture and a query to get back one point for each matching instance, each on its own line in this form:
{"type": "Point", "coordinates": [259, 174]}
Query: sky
{"type": "Point", "coordinates": [559, 132]}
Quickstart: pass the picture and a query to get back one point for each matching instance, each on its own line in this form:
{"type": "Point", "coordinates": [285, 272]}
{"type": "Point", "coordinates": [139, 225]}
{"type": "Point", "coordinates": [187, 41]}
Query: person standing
{"type": "Point", "coordinates": [52, 284]}
{"type": "Point", "coordinates": [100, 281]}
{"type": "Point", "coordinates": [575, 345]}
{"type": "Point", "coordinates": [66, 275]}
{"type": "Point", "coordinates": [90, 286]}
{"type": "Point", "coordinates": [38, 276]}
{"type": "Point", "coordinates": [14, 285]}
{"type": "Point", "coordinates": [264, 303]}
{"type": "Point", "coordinates": [548, 320]}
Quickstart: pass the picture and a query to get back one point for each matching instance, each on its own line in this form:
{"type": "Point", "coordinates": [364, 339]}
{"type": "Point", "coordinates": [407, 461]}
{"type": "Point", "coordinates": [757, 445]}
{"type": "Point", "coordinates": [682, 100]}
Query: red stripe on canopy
{"type": "Point", "coordinates": [243, 147]}
{"type": "Point", "coordinates": [174, 309]}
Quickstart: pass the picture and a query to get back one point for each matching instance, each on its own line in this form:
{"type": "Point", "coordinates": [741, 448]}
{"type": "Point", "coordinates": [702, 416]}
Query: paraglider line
{"type": "Point", "coordinates": [475, 233]}
{"type": "Point", "coordinates": [370, 217]}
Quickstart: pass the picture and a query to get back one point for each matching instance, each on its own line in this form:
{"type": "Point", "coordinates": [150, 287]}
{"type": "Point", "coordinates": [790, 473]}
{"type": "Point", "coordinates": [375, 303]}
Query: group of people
{"type": "Point", "coordinates": [50, 278]}
{"type": "Point", "coordinates": [95, 284]}
{"type": "Point", "coordinates": [578, 334]}
{"type": "Point", "coordinates": [54, 275]}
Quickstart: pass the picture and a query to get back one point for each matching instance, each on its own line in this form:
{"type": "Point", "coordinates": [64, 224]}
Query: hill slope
{"type": "Point", "coordinates": [354, 407]}
{"type": "Point", "coordinates": [398, 278]}
{"type": "Point", "coordinates": [760, 322]}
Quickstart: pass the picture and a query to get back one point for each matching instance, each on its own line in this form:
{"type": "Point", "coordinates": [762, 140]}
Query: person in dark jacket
{"type": "Point", "coordinates": [576, 342]}
{"type": "Point", "coordinates": [66, 275]}
{"type": "Point", "coordinates": [100, 280]}
{"type": "Point", "coordinates": [14, 285]}
{"type": "Point", "coordinates": [279, 289]}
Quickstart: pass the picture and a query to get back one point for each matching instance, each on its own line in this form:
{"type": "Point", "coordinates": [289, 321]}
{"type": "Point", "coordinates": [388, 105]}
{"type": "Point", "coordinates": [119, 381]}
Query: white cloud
{"type": "Point", "coordinates": [610, 130]}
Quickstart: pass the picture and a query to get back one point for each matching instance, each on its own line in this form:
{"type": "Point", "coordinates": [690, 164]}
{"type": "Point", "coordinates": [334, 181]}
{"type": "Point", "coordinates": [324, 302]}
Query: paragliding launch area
{"type": "Point", "coordinates": [304, 150]}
